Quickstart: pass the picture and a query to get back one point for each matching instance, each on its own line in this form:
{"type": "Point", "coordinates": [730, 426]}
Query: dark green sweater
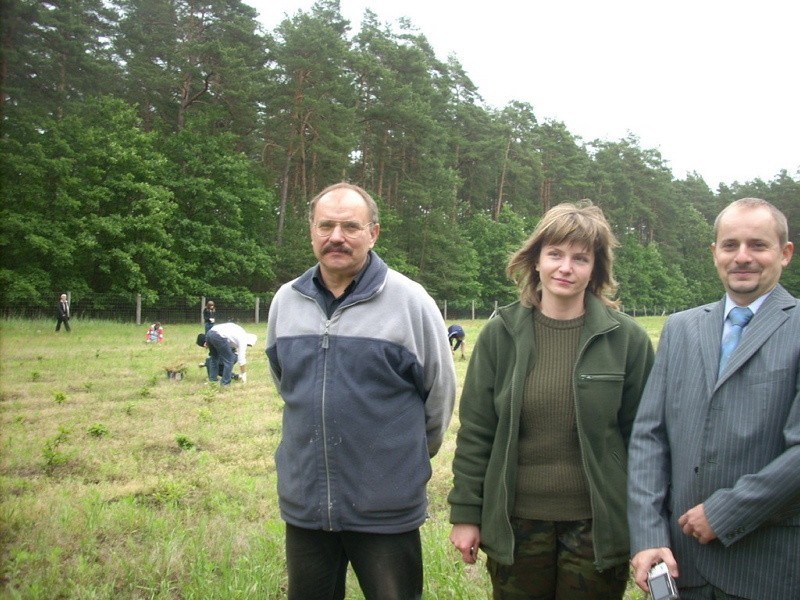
{"type": "Point", "coordinates": [551, 483]}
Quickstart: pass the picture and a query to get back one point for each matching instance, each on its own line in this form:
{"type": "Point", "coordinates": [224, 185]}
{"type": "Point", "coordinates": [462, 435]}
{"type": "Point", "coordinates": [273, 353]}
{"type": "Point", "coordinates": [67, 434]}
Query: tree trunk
{"type": "Point", "coordinates": [501, 188]}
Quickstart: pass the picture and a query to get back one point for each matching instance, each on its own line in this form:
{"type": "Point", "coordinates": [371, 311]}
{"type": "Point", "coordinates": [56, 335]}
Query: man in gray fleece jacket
{"type": "Point", "coordinates": [360, 356]}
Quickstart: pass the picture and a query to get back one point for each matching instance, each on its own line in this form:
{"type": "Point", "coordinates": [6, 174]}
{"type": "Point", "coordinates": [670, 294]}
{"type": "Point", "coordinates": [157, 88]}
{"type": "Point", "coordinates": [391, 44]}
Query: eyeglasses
{"type": "Point", "coordinates": [350, 229]}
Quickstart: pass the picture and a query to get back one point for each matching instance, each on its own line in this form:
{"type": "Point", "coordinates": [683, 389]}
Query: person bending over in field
{"type": "Point", "coordinates": [456, 335]}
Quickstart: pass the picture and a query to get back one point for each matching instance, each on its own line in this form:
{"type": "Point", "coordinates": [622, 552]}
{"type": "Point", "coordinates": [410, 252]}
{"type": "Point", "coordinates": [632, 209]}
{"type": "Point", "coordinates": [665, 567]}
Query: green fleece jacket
{"type": "Point", "coordinates": [614, 360]}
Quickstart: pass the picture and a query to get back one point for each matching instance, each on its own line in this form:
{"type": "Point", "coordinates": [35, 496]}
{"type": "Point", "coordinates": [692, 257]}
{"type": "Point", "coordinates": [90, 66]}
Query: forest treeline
{"type": "Point", "coordinates": [169, 148]}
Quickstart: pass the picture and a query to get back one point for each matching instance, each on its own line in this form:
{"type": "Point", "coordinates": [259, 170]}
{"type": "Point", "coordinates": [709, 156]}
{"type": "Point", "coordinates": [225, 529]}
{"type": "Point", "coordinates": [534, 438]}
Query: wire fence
{"type": "Point", "coordinates": [137, 310]}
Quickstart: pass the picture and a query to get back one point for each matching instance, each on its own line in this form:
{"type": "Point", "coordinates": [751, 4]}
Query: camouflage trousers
{"type": "Point", "coordinates": [554, 560]}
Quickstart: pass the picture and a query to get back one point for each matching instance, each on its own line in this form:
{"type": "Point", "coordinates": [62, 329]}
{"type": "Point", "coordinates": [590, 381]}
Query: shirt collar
{"type": "Point", "coordinates": [320, 283]}
{"type": "Point", "coordinates": [754, 306]}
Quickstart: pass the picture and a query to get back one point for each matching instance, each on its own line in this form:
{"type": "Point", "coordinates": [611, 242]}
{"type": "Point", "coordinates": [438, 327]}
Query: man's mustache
{"type": "Point", "coordinates": [336, 248]}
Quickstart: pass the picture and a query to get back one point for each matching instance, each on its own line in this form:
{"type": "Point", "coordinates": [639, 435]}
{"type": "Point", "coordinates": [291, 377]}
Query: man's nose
{"type": "Point", "coordinates": [743, 254]}
{"type": "Point", "coordinates": [338, 232]}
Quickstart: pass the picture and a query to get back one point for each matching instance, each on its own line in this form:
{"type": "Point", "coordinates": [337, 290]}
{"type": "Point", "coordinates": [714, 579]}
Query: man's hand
{"type": "Point", "coordinates": [695, 524]}
{"type": "Point", "coordinates": [466, 538]}
{"type": "Point", "coordinates": [645, 560]}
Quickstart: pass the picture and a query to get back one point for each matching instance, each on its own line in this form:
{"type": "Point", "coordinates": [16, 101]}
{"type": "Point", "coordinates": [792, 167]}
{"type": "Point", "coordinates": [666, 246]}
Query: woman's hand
{"type": "Point", "coordinates": [466, 538]}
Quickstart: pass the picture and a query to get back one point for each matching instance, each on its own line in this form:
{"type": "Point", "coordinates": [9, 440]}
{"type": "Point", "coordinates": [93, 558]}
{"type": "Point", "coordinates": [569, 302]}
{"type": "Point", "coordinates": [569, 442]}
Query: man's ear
{"type": "Point", "coordinates": [374, 233]}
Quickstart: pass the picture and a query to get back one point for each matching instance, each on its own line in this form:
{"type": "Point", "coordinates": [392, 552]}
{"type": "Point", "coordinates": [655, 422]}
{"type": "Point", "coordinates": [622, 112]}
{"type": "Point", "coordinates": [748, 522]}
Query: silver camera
{"type": "Point", "coordinates": [662, 585]}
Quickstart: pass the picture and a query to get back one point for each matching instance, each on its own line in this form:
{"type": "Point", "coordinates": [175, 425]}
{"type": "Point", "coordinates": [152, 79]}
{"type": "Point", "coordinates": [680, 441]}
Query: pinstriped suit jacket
{"type": "Point", "coordinates": [731, 443]}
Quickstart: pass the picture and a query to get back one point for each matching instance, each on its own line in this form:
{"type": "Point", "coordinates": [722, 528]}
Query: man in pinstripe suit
{"type": "Point", "coordinates": [714, 459]}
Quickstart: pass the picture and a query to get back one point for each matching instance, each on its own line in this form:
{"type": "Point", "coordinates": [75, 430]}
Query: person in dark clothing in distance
{"type": "Point", "coordinates": [62, 313]}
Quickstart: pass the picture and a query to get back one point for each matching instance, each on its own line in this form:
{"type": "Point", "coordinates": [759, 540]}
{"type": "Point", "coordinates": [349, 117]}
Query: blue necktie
{"type": "Point", "coordinates": [739, 318]}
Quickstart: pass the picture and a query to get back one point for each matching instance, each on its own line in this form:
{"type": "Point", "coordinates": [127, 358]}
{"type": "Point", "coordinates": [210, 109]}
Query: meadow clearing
{"type": "Point", "coordinates": [118, 482]}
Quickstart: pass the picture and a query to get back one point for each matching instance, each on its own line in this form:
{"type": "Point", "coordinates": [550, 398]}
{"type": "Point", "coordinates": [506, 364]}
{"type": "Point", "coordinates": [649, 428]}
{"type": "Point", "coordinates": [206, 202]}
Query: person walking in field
{"type": "Point", "coordinates": [62, 313]}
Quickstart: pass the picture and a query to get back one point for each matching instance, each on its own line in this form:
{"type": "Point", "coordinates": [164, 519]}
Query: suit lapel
{"type": "Point", "coordinates": [710, 333]}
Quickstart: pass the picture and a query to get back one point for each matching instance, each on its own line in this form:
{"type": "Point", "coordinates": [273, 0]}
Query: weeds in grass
{"type": "Point", "coordinates": [53, 456]}
{"type": "Point", "coordinates": [98, 430]}
{"type": "Point", "coordinates": [59, 397]}
{"type": "Point", "coordinates": [205, 415]}
{"type": "Point", "coordinates": [169, 492]}
{"type": "Point", "coordinates": [184, 443]}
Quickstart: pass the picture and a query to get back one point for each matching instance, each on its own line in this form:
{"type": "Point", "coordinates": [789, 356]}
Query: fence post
{"type": "Point", "coordinates": [473, 310]}
{"type": "Point", "coordinates": [202, 306]}
{"type": "Point", "coordinates": [258, 306]}
{"type": "Point", "coordinates": [138, 309]}
{"type": "Point", "coordinates": [445, 310]}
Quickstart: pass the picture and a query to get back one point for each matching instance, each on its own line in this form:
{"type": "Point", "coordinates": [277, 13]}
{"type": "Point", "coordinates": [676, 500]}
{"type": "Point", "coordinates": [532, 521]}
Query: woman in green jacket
{"type": "Point", "coordinates": [546, 412]}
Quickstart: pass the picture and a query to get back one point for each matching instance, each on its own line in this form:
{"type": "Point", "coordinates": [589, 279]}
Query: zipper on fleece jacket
{"type": "Point", "coordinates": [592, 487]}
{"type": "Point", "coordinates": [325, 347]}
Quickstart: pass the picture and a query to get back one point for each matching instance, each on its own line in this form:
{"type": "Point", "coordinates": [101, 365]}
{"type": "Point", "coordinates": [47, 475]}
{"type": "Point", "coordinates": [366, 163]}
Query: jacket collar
{"type": "Point", "coordinates": [599, 318]}
{"type": "Point", "coordinates": [373, 278]}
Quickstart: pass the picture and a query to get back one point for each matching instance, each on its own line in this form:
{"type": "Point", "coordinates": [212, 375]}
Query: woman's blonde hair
{"type": "Point", "coordinates": [581, 223]}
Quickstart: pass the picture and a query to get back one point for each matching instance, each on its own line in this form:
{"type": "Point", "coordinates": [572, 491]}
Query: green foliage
{"type": "Point", "coordinates": [170, 150]}
{"type": "Point", "coordinates": [222, 217]}
{"type": "Point", "coordinates": [59, 397]}
{"type": "Point", "coordinates": [184, 442]}
{"type": "Point", "coordinates": [98, 430]}
{"type": "Point", "coordinates": [52, 453]}
{"type": "Point", "coordinates": [169, 492]}
{"type": "Point", "coordinates": [645, 280]}
{"type": "Point", "coordinates": [205, 415]}
{"type": "Point", "coordinates": [493, 243]}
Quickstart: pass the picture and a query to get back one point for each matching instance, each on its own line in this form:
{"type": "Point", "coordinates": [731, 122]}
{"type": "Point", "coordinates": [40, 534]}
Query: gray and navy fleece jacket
{"type": "Point", "coordinates": [368, 396]}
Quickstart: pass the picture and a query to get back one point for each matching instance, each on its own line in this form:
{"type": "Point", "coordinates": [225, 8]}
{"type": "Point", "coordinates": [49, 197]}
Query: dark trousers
{"type": "Point", "coordinates": [388, 566]}
{"type": "Point", "coordinates": [65, 321]}
{"type": "Point", "coordinates": [219, 353]}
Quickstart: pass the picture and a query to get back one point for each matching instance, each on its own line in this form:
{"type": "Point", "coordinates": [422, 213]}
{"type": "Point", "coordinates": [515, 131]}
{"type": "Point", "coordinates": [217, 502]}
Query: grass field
{"type": "Point", "coordinates": [117, 482]}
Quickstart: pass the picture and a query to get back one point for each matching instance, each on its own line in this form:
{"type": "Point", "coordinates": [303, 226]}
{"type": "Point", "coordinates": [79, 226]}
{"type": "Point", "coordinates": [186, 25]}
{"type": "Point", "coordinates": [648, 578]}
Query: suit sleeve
{"type": "Point", "coordinates": [649, 459]}
{"type": "Point", "coordinates": [768, 496]}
